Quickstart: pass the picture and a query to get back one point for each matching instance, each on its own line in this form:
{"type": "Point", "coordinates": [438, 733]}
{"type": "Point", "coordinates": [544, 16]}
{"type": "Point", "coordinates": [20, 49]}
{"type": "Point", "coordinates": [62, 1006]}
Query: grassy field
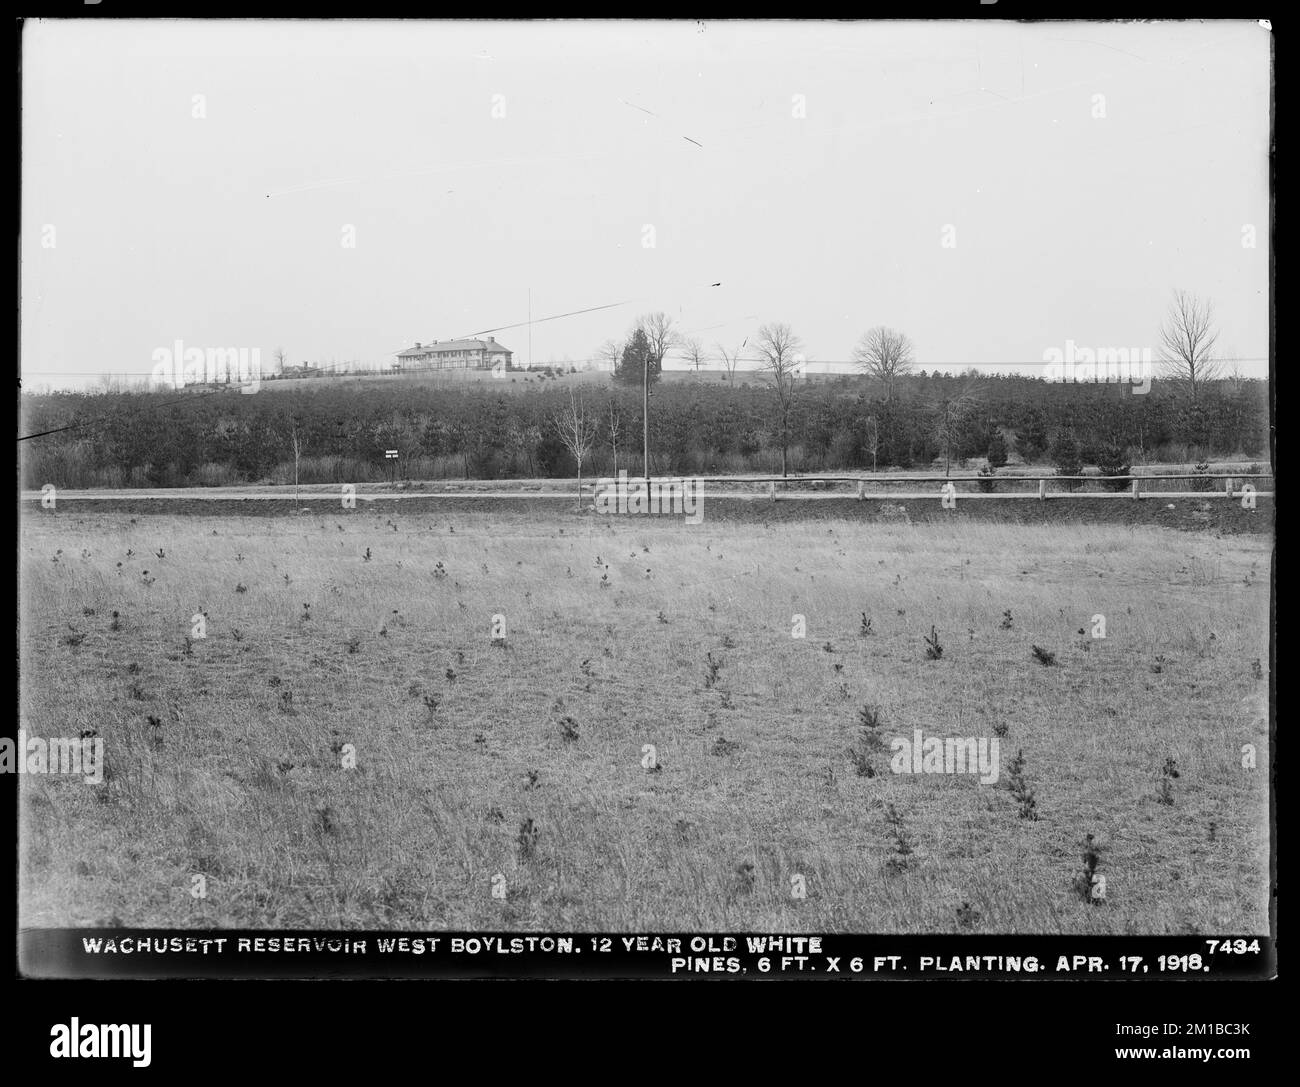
{"type": "Point", "coordinates": [519, 763]}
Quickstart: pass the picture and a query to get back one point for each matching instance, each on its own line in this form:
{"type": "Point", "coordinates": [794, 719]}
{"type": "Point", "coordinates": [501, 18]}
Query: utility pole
{"type": "Point", "coordinates": [645, 413]}
{"type": "Point", "coordinates": [530, 328]}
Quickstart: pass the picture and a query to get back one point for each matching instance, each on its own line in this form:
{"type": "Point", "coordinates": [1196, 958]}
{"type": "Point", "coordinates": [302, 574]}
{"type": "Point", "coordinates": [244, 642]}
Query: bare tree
{"type": "Point", "coordinates": [610, 352]}
{"type": "Point", "coordinates": [729, 361]}
{"type": "Point", "coordinates": [1235, 374]}
{"type": "Point", "coordinates": [951, 415]}
{"type": "Point", "coordinates": [885, 354]}
{"type": "Point", "coordinates": [661, 337]}
{"type": "Point", "coordinates": [694, 352]}
{"type": "Point", "coordinates": [298, 443]}
{"type": "Point", "coordinates": [660, 334]}
{"type": "Point", "coordinates": [871, 439]}
{"type": "Point", "coordinates": [1187, 341]}
{"type": "Point", "coordinates": [577, 431]}
{"type": "Point", "coordinates": [615, 426]}
{"type": "Point", "coordinates": [778, 348]}
{"type": "Point", "coordinates": [280, 357]}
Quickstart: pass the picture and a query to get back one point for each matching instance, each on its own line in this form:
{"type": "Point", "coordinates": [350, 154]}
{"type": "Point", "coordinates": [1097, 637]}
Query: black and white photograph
{"type": "Point", "coordinates": [679, 489]}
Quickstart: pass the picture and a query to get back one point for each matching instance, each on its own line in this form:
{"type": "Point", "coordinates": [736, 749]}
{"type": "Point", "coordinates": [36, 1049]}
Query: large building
{"type": "Point", "coordinates": [455, 355]}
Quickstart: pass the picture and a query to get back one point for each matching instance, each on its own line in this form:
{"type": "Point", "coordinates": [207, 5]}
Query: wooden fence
{"type": "Point", "coordinates": [770, 488]}
{"type": "Point", "coordinates": [1139, 487]}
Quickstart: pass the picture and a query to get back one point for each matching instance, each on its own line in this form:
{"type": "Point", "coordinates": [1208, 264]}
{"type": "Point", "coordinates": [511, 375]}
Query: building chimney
{"type": "Point", "coordinates": [418, 344]}
{"type": "Point", "coordinates": [491, 339]}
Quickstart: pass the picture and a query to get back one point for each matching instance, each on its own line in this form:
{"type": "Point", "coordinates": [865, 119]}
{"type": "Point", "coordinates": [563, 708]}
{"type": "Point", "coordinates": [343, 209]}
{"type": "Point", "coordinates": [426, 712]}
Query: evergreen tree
{"type": "Point", "coordinates": [631, 366]}
{"type": "Point", "coordinates": [997, 450]}
{"type": "Point", "coordinates": [1065, 455]}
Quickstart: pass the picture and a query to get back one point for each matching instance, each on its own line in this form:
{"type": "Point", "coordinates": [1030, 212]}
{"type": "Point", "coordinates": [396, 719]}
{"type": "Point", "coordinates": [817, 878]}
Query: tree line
{"type": "Point", "coordinates": [777, 421]}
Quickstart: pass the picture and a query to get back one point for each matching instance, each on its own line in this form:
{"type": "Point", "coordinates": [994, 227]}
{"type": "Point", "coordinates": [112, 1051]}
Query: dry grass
{"type": "Point", "coordinates": [460, 742]}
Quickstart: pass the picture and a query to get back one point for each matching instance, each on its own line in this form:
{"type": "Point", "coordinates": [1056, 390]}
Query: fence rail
{"type": "Point", "coordinates": [877, 478]}
{"type": "Point", "coordinates": [1136, 489]}
{"type": "Point", "coordinates": [792, 488]}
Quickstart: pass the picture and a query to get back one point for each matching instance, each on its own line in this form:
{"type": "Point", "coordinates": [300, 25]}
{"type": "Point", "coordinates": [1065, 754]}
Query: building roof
{"type": "Point", "coordinates": [453, 345]}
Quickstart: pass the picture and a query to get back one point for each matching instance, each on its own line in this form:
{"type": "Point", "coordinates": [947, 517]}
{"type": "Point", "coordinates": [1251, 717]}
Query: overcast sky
{"type": "Point", "coordinates": [813, 170]}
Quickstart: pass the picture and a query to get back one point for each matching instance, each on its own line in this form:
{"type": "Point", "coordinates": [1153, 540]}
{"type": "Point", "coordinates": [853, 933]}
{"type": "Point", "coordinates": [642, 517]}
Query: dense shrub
{"type": "Point", "coordinates": [448, 430]}
{"type": "Point", "coordinates": [1065, 455]}
{"type": "Point", "coordinates": [997, 450]}
{"type": "Point", "coordinates": [1112, 461]}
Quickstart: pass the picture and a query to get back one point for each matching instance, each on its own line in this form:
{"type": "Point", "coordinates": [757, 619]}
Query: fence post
{"type": "Point", "coordinates": [1137, 488]}
{"type": "Point", "coordinates": [861, 490]}
{"type": "Point", "coordinates": [771, 491]}
{"type": "Point", "coordinates": [1042, 489]}
{"type": "Point", "coordinates": [1229, 487]}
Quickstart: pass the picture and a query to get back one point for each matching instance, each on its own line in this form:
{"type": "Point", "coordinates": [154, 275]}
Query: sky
{"type": "Point", "coordinates": [342, 190]}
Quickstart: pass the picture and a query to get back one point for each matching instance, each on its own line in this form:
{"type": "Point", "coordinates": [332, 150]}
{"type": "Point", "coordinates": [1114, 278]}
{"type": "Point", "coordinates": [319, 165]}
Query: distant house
{"type": "Point", "coordinates": [456, 355]}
